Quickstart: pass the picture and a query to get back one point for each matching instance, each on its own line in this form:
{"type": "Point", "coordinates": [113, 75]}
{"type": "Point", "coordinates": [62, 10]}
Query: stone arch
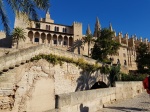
{"type": "Point", "coordinates": [38, 86]}
{"type": "Point", "coordinates": [48, 38]}
{"type": "Point", "coordinates": [60, 40]}
{"type": "Point", "coordinates": [43, 36]}
{"type": "Point", "coordinates": [65, 40]}
{"type": "Point", "coordinates": [30, 35]}
{"type": "Point", "coordinates": [70, 41]}
{"type": "Point", "coordinates": [55, 39]}
{"type": "Point", "coordinates": [36, 37]}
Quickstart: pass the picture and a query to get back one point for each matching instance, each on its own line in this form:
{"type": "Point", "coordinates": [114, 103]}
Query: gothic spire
{"type": "Point", "coordinates": [88, 31]}
{"type": "Point", "coordinates": [97, 28]}
{"type": "Point", "coordinates": [110, 27]}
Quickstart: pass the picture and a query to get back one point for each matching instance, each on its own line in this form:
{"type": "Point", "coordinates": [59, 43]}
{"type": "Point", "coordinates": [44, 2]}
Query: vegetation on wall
{"type": "Point", "coordinates": [54, 59]}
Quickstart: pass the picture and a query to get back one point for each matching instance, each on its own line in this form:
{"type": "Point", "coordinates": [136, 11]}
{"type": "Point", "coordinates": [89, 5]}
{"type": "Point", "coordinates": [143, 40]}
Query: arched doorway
{"type": "Point", "coordinates": [48, 38]}
{"type": "Point", "coordinates": [65, 41]}
{"type": "Point", "coordinates": [43, 37]}
{"type": "Point", "coordinates": [36, 37]}
{"type": "Point", "coordinates": [30, 35]}
{"type": "Point", "coordinates": [60, 40]}
{"type": "Point", "coordinates": [55, 39]}
{"type": "Point", "coordinates": [70, 41]}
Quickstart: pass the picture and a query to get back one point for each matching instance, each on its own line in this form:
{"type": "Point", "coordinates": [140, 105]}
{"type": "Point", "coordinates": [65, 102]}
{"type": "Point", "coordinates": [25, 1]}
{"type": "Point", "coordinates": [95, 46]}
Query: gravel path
{"type": "Point", "coordinates": [136, 104]}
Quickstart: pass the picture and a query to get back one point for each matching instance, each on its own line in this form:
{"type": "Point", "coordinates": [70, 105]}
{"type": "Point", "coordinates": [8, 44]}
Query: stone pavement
{"type": "Point", "coordinates": [136, 104]}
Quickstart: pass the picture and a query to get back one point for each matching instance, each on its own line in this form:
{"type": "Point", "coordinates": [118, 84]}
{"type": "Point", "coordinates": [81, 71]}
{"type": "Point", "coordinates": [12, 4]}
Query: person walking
{"type": "Point", "coordinates": [146, 84]}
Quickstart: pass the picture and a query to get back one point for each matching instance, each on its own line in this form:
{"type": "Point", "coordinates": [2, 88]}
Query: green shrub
{"type": "Point", "coordinates": [131, 77]}
{"type": "Point", "coordinates": [54, 59]}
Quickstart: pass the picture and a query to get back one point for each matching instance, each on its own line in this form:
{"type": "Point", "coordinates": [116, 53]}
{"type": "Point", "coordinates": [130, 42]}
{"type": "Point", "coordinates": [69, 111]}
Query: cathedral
{"type": "Point", "coordinates": [70, 38]}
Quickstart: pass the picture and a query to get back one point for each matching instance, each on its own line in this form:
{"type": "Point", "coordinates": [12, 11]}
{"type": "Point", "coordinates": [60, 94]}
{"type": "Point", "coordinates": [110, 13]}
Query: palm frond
{"type": "Point", "coordinates": [4, 18]}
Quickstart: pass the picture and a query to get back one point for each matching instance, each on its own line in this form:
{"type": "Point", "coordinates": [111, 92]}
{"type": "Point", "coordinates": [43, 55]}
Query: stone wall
{"type": "Point", "coordinates": [93, 100]}
{"type": "Point", "coordinates": [16, 58]}
{"type": "Point", "coordinates": [32, 86]}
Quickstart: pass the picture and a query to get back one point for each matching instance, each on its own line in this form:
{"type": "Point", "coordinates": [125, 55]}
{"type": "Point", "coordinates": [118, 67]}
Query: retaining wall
{"type": "Point", "coordinates": [94, 100]}
{"type": "Point", "coordinates": [16, 58]}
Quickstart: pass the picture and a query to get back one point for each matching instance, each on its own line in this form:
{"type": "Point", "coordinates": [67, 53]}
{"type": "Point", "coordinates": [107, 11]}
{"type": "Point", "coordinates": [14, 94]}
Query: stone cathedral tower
{"type": "Point", "coordinates": [88, 31]}
{"type": "Point", "coordinates": [97, 28]}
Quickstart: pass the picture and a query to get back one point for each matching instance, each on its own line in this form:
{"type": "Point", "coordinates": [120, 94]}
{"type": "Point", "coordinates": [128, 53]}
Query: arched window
{"type": "Point", "coordinates": [47, 27]}
{"type": "Point", "coordinates": [125, 62]}
{"type": "Point", "coordinates": [55, 28]}
{"type": "Point", "coordinates": [65, 30]}
{"type": "Point", "coordinates": [58, 29]}
{"type": "Point", "coordinates": [118, 61]}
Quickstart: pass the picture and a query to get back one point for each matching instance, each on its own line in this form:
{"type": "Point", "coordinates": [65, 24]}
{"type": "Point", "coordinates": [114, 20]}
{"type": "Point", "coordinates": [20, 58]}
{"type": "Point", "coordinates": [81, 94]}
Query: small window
{"type": "Point", "coordinates": [36, 40]}
{"type": "Point", "coordinates": [55, 28]}
{"type": "Point", "coordinates": [37, 25]}
{"type": "Point", "coordinates": [124, 55]}
{"type": "Point", "coordinates": [58, 29]}
{"type": "Point", "coordinates": [47, 27]}
{"type": "Point", "coordinates": [65, 30]}
{"type": "Point", "coordinates": [125, 62]}
{"type": "Point", "coordinates": [118, 61]}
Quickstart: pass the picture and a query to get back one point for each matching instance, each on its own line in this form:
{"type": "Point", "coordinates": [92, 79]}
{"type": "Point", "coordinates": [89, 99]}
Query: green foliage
{"type": "Point", "coordinates": [131, 77]}
{"type": "Point", "coordinates": [105, 69]}
{"type": "Point", "coordinates": [114, 75]}
{"type": "Point", "coordinates": [28, 7]}
{"type": "Point", "coordinates": [18, 34]}
{"type": "Point", "coordinates": [143, 58]}
{"type": "Point", "coordinates": [105, 45]}
{"type": "Point", "coordinates": [54, 59]}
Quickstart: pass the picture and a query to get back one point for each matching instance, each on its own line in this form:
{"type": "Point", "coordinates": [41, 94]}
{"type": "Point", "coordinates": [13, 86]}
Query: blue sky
{"type": "Point", "coordinates": [126, 16]}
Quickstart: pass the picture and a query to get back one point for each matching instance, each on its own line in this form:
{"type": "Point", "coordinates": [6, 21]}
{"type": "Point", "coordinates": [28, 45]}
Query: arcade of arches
{"type": "Point", "coordinates": [53, 39]}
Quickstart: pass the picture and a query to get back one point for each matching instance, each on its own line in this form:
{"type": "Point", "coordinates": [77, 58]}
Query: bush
{"type": "Point", "coordinates": [131, 77]}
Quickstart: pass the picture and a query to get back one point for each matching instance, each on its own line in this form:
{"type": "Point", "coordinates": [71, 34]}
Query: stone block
{"type": "Point", "coordinates": [90, 95]}
{"type": "Point", "coordinates": [119, 96]}
{"type": "Point", "coordinates": [78, 97]}
{"type": "Point", "coordinates": [63, 100]}
{"type": "Point", "coordinates": [113, 97]}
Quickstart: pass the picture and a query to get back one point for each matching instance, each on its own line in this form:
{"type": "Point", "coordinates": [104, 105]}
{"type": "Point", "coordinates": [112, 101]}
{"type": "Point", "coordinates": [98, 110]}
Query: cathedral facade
{"type": "Point", "coordinates": [70, 38]}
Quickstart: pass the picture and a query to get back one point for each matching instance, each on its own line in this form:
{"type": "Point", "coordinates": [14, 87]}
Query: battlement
{"type": "Point", "coordinates": [77, 23]}
{"type": "Point", "coordinates": [131, 41]}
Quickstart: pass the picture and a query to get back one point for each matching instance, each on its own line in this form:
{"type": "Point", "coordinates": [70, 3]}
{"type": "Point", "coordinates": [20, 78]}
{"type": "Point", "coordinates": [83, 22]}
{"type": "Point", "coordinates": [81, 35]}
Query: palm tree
{"type": "Point", "coordinates": [27, 7]}
{"type": "Point", "coordinates": [88, 39]}
{"type": "Point", "coordinates": [18, 34]}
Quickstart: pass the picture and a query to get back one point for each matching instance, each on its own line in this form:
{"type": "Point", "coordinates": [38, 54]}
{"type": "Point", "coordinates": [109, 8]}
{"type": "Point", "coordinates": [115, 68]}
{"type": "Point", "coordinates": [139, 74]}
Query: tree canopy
{"type": "Point", "coordinates": [143, 58]}
{"type": "Point", "coordinates": [105, 45]}
{"type": "Point", "coordinates": [28, 7]}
